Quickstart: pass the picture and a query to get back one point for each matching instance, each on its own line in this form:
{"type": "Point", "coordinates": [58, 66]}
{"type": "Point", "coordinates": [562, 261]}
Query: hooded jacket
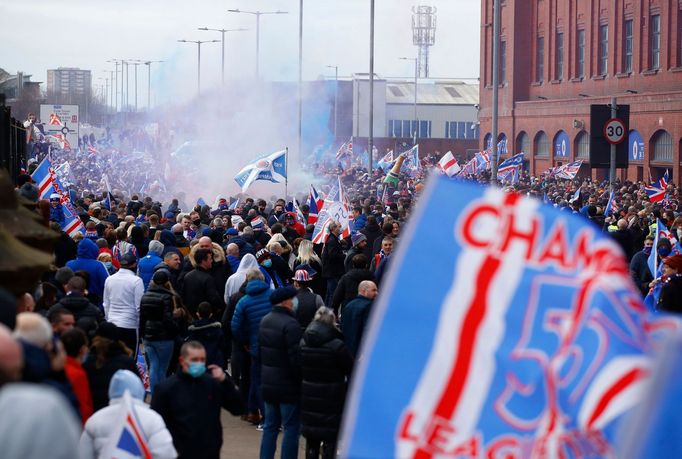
{"type": "Point", "coordinates": [326, 364]}
{"type": "Point", "coordinates": [249, 312]}
{"type": "Point", "coordinates": [167, 238]}
{"type": "Point", "coordinates": [235, 281]}
{"type": "Point", "coordinates": [86, 260]}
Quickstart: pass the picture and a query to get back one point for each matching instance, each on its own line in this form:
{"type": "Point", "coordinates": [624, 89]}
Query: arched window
{"type": "Point", "coordinates": [662, 146]}
{"type": "Point", "coordinates": [502, 146]}
{"type": "Point", "coordinates": [486, 141]}
{"type": "Point", "coordinates": [582, 145]}
{"type": "Point", "coordinates": [541, 145]}
{"type": "Point", "coordinates": [523, 143]}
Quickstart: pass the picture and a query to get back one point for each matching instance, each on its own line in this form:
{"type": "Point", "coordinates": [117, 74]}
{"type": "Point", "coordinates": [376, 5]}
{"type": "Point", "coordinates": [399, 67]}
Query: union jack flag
{"type": "Point", "coordinates": [482, 162]}
{"type": "Point", "coordinates": [345, 149]}
{"type": "Point", "coordinates": [48, 183]}
{"type": "Point", "coordinates": [655, 193]}
{"type": "Point", "coordinates": [663, 182]}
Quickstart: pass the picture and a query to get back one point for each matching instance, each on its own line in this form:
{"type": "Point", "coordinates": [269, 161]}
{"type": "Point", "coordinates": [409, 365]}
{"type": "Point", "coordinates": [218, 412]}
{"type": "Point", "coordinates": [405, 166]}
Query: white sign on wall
{"type": "Point", "coordinates": [61, 124]}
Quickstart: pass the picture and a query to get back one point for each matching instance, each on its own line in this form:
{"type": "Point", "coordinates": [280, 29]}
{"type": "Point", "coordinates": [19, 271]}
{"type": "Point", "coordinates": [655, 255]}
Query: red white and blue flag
{"type": "Point", "coordinates": [48, 183]}
{"type": "Point", "coordinates": [510, 169]}
{"type": "Point", "coordinates": [315, 204]}
{"type": "Point", "coordinates": [655, 193]}
{"type": "Point", "coordinates": [569, 170]}
{"type": "Point", "coordinates": [128, 440]}
{"type": "Point", "coordinates": [482, 162]}
{"type": "Point", "coordinates": [663, 182]}
{"type": "Point", "coordinates": [531, 339]}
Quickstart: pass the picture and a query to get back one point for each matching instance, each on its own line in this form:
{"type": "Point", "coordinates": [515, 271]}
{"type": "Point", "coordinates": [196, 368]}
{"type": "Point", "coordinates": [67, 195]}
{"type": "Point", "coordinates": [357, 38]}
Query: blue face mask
{"type": "Point", "coordinates": [267, 263]}
{"type": "Point", "coordinates": [294, 300]}
{"type": "Point", "coordinates": [647, 250]}
{"type": "Point", "coordinates": [196, 369]}
{"type": "Point", "coordinates": [664, 252]}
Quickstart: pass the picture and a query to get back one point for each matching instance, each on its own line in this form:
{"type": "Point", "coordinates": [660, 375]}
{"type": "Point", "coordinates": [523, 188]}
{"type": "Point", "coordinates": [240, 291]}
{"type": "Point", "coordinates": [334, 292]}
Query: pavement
{"type": "Point", "coordinates": [241, 440]}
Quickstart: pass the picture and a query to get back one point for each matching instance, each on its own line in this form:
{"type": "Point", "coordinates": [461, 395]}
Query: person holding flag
{"type": "Point", "coordinates": [126, 428]}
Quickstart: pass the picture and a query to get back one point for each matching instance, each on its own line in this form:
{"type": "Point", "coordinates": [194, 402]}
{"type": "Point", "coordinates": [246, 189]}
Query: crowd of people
{"type": "Point", "coordinates": [236, 308]}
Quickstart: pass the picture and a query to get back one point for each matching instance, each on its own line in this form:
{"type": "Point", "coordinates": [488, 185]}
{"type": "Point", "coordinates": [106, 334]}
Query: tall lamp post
{"type": "Point", "coordinates": [336, 96]}
{"type": "Point", "coordinates": [149, 82]}
{"type": "Point", "coordinates": [496, 82]}
{"type": "Point", "coordinates": [222, 32]}
{"type": "Point", "coordinates": [198, 42]}
{"type": "Point", "coordinates": [136, 63]}
{"type": "Point", "coordinates": [370, 138]}
{"type": "Point", "coordinates": [258, 14]}
{"type": "Point", "coordinates": [416, 74]}
{"type": "Point", "coordinates": [114, 87]}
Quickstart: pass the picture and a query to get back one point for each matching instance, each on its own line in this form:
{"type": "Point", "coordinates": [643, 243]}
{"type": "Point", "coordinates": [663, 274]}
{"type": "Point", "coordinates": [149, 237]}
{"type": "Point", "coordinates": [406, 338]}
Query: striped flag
{"type": "Point", "coordinates": [48, 183]}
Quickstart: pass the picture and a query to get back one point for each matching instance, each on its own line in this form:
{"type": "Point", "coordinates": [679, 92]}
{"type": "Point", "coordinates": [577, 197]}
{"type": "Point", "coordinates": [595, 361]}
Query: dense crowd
{"type": "Point", "coordinates": [234, 306]}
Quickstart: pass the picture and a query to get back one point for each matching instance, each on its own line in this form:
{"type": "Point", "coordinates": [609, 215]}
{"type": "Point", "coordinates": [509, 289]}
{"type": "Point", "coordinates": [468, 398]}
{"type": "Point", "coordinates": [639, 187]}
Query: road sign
{"type": "Point", "coordinates": [600, 148]}
{"type": "Point", "coordinates": [61, 123]}
{"type": "Point", "coordinates": [614, 131]}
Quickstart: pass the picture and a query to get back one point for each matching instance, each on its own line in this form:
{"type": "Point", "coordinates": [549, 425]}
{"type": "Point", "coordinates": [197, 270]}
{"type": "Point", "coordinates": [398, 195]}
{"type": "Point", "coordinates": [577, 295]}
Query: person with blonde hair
{"type": "Point", "coordinates": [308, 259]}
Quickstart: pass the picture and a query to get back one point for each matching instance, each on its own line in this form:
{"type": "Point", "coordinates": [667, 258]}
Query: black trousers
{"type": "Point", "coordinates": [129, 338]}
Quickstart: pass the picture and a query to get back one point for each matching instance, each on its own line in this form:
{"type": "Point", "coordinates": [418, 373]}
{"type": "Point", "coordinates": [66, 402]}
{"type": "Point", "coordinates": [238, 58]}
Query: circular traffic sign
{"type": "Point", "coordinates": [614, 131]}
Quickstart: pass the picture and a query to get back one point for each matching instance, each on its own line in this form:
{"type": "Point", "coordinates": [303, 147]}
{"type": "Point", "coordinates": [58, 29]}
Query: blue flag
{"type": "Point", "coordinates": [271, 167]}
{"type": "Point", "coordinates": [529, 338]}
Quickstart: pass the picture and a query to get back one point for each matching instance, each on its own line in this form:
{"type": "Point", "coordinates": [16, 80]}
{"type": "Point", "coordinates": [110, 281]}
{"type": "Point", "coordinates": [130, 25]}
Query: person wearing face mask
{"type": "Point", "coordinates": [671, 291]}
{"type": "Point", "coordinates": [639, 267]}
{"type": "Point", "coordinates": [190, 401]}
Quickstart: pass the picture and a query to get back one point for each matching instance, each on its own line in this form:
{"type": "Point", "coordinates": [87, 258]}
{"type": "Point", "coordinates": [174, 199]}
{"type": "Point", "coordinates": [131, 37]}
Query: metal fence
{"type": "Point", "coordinates": [12, 142]}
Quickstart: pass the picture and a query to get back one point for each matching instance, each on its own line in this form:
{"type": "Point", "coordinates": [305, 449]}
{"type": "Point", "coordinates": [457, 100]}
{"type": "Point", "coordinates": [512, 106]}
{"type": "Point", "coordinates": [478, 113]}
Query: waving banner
{"type": "Point", "coordinates": [506, 329]}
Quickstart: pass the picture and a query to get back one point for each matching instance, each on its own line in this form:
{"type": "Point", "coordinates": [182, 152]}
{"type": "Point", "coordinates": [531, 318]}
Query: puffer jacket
{"type": "Point", "coordinates": [279, 351]}
{"type": "Point", "coordinates": [103, 423]}
{"type": "Point", "coordinates": [249, 312]}
{"type": "Point", "coordinates": [326, 364]}
{"type": "Point", "coordinates": [156, 314]}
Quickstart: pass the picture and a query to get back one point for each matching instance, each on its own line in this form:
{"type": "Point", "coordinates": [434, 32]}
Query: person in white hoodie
{"type": "Point", "coordinates": [235, 281]}
{"type": "Point", "coordinates": [103, 424]}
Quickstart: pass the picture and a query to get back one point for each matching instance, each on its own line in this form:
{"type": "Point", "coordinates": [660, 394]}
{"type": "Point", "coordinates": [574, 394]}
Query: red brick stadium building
{"type": "Point", "coordinates": [557, 57]}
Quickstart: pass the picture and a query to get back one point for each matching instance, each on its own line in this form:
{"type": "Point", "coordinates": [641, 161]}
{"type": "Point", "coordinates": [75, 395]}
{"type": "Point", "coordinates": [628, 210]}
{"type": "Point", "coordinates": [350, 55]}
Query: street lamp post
{"type": "Point", "coordinates": [198, 42]}
{"type": "Point", "coordinates": [149, 82]}
{"type": "Point", "coordinates": [336, 96]}
{"type": "Point", "coordinates": [135, 63]}
{"type": "Point", "coordinates": [496, 86]}
{"type": "Point", "coordinates": [258, 14]}
{"type": "Point", "coordinates": [115, 85]}
{"type": "Point", "coordinates": [370, 138]}
{"type": "Point", "coordinates": [416, 74]}
{"type": "Point", "coordinates": [222, 32]}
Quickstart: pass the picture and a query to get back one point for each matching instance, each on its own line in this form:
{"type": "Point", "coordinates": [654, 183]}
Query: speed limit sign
{"type": "Point", "coordinates": [614, 131]}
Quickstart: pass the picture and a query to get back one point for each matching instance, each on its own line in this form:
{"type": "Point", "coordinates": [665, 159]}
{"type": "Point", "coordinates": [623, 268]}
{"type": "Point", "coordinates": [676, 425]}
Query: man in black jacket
{"type": "Point", "coordinates": [199, 285]}
{"type": "Point", "coordinates": [279, 338]}
{"type": "Point", "coordinates": [332, 260]}
{"type": "Point", "coordinates": [190, 402]}
{"type": "Point", "coordinates": [347, 289]}
{"type": "Point", "coordinates": [77, 303]}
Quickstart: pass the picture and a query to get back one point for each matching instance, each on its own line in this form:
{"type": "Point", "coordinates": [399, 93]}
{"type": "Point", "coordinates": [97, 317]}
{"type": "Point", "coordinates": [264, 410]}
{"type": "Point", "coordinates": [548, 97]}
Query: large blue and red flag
{"type": "Point", "coordinates": [530, 339]}
{"type": "Point", "coordinates": [48, 183]}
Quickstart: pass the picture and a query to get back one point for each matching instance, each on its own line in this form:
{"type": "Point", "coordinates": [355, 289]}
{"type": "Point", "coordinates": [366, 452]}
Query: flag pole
{"type": "Point", "coordinates": [286, 170]}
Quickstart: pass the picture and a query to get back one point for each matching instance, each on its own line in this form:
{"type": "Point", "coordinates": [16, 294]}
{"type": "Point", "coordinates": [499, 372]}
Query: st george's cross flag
{"type": "Point", "coordinates": [448, 164]}
{"type": "Point", "coordinates": [530, 339]}
{"type": "Point", "coordinates": [271, 167]}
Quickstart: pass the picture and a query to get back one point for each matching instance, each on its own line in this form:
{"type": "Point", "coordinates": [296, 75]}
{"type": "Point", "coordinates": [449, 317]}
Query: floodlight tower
{"type": "Point", "coordinates": [423, 35]}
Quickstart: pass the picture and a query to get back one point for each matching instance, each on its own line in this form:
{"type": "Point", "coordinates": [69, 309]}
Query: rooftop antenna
{"type": "Point", "coordinates": [423, 35]}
